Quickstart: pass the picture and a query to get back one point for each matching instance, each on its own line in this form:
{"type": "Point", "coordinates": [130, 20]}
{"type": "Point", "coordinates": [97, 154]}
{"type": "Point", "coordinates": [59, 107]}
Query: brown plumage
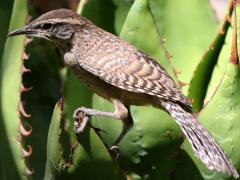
{"type": "Point", "coordinates": [119, 72]}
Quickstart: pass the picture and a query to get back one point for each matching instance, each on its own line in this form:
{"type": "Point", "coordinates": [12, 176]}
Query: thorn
{"type": "Point", "coordinates": [28, 172]}
{"type": "Point", "coordinates": [27, 41]}
{"type": "Point", "coordinates": [26, 153]}
{"type": "Point", "coordinates": [60, 103]}
{"type": "Point", "coordinates": [182, 84]}
{"type": "Point", "coordinates": [25, 56]}
{"type": "Point", "coordinates": [229, 18]}
{"type": "Point", "coordinates": [23, 131]}
{"type": "Point", "coordinates": [211, 46]}
{"type": "Point", "coordinates": [24, 69]}
{"type": "Point", "coordinates": [21, 111]}
{"type": "Point", "coordinates": [234, 59]}
{"type": "Point", "coordinates": [23, 89]}
{"type": "Point", "coordinates": [176, 72]}
{"type": "Point", "coordinates": [169, 58]}
{"type": "Point", "coordinates": [167, 54]}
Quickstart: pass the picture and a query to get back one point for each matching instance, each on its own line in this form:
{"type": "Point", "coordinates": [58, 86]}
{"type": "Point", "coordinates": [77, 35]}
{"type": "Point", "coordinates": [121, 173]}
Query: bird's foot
{"type": "Point", "coordinates": [114, 150]}
{"type": "Point", "coordinates": [79, 111]}
{"type": "Point", "coordinates": [80, 120]}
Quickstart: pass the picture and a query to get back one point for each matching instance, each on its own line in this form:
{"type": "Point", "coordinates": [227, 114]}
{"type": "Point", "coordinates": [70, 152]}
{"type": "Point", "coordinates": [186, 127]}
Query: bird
{"type": "Point", "coordinates": [124, 75]}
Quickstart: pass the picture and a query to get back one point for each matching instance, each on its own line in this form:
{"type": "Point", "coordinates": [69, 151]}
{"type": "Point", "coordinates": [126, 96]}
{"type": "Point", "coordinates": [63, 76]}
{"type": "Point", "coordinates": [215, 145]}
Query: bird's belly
{"type": "Point", "coordinates": [109, 91]}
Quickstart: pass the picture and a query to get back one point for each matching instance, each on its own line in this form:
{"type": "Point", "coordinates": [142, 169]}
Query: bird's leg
{"type": "Point", "coordinates": [81, 115]}
{"type": "Point", "coordinates": [127, 125]}
{"type": "Point", "coordinates": [121, 113]}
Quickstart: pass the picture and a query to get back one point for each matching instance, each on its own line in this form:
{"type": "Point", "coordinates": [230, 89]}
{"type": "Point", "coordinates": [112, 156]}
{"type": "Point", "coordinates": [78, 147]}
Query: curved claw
{"type": "Point", "coordinates": [81, 110]}
{"type": "Point", "coordinates": [80, 124]}
{"type": "Point", "coordinates": [80, 120]}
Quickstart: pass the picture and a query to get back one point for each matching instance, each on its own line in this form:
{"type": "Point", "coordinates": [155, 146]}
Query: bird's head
{"type": "Point", "coordinates": [57, 26]}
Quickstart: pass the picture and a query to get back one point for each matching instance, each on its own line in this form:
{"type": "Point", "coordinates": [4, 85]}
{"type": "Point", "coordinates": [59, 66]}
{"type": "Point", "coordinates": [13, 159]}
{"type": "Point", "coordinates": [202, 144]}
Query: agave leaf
{"type": "Point", "coordinates": [220, 115]}
{"type": "Point", "coordinates": [122, 8]}
{"type": "Point", "coordinates": [5, 15]}
{"type": "Point", "coordinates": [221, 118]}
{"type": "Point", "coordinates": [12, 163]}
{"type": "Point", "coordinates": [54, 156]}
{"type": "Point", "coordinates": [83, 156]}
{"type": "Point", "coordinates": [135, 32]}
{"type": "Point", "coordinates": [101, 12]}
{"type": "Point", "coordinates": [187, 28]}
{"type": "Point", "coordinates": [202, 75]}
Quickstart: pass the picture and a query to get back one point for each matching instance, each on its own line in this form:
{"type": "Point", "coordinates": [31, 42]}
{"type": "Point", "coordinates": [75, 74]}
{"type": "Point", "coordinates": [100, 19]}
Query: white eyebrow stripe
{"type": "Point", "coordinates": [57, 20]}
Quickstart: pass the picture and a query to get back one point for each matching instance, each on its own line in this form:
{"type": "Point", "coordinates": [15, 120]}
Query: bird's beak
{"type": "Point", "coordinates": [24, 30]}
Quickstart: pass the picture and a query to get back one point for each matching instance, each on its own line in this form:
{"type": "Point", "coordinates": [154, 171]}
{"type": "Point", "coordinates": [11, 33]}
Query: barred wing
{"type": "Point", "coordinates": [135, 72]}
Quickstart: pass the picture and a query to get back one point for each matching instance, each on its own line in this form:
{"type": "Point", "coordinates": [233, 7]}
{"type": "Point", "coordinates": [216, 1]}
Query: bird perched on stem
{"type": "Point", "coordinates": [117, 71]}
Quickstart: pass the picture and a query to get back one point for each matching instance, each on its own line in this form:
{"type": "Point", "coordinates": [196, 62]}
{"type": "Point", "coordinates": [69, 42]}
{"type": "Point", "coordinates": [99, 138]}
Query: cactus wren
{"type": "Point", "coordinates": [117, 71]}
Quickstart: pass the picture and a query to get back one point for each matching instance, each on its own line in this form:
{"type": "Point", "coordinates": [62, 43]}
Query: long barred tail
{"type": "Point", "coordinates": [201, 140]}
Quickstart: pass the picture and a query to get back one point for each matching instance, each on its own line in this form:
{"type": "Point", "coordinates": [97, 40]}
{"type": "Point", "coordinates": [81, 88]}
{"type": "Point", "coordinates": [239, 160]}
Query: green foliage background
{"type": "Point", "coordinates": [37, 140]}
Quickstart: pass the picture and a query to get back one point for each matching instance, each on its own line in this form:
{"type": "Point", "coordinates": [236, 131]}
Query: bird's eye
{"type": "Point", "coordinates": [46, 26]}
